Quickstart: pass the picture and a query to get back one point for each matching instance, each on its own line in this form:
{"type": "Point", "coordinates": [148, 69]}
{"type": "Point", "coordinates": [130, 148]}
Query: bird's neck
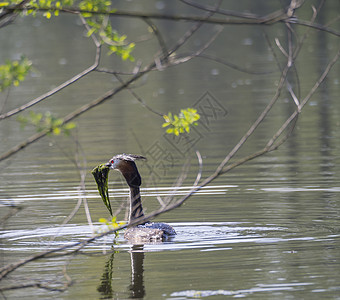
{"type": "Point", "coordinates": [130, 172]}
{"type": "Point", "coordinates": [133, 179]}
{"type": "Point", "coordinates": [136, 209]}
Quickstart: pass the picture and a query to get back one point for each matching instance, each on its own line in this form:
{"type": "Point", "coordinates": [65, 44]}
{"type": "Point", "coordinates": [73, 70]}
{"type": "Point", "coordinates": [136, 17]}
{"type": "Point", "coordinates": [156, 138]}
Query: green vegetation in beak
{"type": "Point", "coordinates": [101, 175]}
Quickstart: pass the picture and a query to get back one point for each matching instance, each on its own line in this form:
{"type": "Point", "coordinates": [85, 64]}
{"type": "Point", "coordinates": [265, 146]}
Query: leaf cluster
{"type": "Point", "coordinates": [113, 224]}
{"type": "Point", "coordinates": [99, 23]}
{"type": "Point", "coordinates": [46, 121]}
{"type": "Point", "coordinates": [52, 7]}
{"type": "Point", "coordinates": [12, 72]}
{"type": "Point", "coordinates": [182, 122]}
{"type": "Point", "coordinates": [94, 6]}
{"type": "Point", "coordinates": [101, 26]}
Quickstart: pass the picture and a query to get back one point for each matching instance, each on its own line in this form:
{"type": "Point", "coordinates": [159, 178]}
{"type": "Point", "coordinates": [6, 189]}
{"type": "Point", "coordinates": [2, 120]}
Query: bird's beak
{"type": "Point", "coordinates": [108, 164]}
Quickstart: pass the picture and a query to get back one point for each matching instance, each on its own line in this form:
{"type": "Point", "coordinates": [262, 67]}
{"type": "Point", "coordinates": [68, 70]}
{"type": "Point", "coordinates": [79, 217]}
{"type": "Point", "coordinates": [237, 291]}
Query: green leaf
{"type": "Point", "coordinates": [46, 121]}
{"type": "Point", "coordinates": [91, 31]}
{"type": "Point", "coordinates": [182, 122]}
{"type": "Point", "coordinates": [170, 130]}
{"type": "Point", "coordinates": [70, 126]}
{"type": "Point", "coordinates": [56, 131]}
{"type": "Point", "coordinates": [13, 72]}
{"type": "Point", "coordinates": [47, 14]}
{"type": "Point", "coordinates": [102, 220]}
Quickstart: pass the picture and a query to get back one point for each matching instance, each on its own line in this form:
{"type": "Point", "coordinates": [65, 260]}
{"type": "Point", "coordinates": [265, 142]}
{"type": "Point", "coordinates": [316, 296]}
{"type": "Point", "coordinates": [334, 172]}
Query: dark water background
{"type": "Point", "coordinates": [267, 230]}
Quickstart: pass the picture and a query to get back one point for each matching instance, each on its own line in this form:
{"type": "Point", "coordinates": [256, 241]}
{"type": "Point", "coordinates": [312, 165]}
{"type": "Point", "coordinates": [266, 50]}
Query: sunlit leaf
{"type": "Point", "coordinates": [48, 14]}
{"type": "Point", "coordinates": [13, 72]}
{"type": "Point", "coordinates": [182, 122]}
{"type": "Point", "coordinates": [102, 220]}
{"type": "Point", "coordinates": [46, 122]}
{"type": "Point", "coordinates": [56, 131]}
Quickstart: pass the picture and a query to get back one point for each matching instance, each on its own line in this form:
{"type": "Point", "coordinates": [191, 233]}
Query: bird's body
{"type": "Point", "coordinates": [148, 232]}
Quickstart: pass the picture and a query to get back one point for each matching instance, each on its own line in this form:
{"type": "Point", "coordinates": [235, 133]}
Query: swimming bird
{"type": "Point", "coordinates": [147, 232]}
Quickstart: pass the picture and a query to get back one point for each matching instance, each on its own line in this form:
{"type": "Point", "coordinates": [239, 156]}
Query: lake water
{"type": "Point", "coordinates": [267, 230]}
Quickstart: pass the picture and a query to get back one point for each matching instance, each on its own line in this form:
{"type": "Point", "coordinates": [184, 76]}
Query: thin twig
{"type": "Point", "coordinates": [55, 90]}
{"type": "Point", "coordinates": [108, 95]}
{"type": "Point", "coordinates": [37, 285]}
{"type": "Point", "coordinates": [232, 65]}
{"type": "Point", "coordinates": [3, 104]}
{"type": "Point", "coordinates": [200, 167]}
{"type": "Point", "coordinates": [139, 99]}
{"type": "Point", "coordinates": [223, 168]}
{"type": "Point", "coordinates": [159, 37]}
{"type": "Point", "coordinates": [278, 44]}
{"type": "Point", "coordinates": [218, 172]}
{"type": "Point", "coordinates": [269, 19]}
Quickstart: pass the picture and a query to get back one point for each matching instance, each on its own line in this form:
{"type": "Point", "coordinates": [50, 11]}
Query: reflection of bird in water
{"type": "Point", "coordinates": [125, 163]}
{"type": "Point", "coordinates": [137, 288]}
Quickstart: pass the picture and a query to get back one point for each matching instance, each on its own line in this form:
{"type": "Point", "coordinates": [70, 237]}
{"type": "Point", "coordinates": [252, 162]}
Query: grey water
{"type": "Point", "coordinates": [267, 230]}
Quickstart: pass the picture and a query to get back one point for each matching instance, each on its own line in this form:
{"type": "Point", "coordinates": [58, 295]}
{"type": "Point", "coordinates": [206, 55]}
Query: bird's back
{"type": "Point", "coordinates": [149, 232]}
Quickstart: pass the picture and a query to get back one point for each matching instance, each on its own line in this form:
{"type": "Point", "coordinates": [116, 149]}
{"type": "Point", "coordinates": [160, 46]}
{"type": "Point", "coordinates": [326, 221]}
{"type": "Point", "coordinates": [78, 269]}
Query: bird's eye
{"type": "Point", "coordinates": [111, 161]}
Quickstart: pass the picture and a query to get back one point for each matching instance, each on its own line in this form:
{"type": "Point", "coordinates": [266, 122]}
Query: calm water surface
{"type": "Point", "coordinates": [268, 230]}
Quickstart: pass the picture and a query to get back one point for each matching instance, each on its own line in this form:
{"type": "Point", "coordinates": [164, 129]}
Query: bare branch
{"type": "Point", "coordinates": [321, 79]}
{"type": "Point", "coordinates": [108, 95]}
{"type": "Point", "coordinates": [200, 167]}
{"type": "Point", "coordinates": [232, 65]}
{"type": "Point", "coordinates": [139, 99]}
{"type": "Point", "coordinates": [222, 169]}
{"type": "Point", "coordinates": [12, 212]}
{"type": "Point", "coordinates": [37, 285]}
{"type": "Point", "coordinates": [292, 94]}
{"type": "Point", "coordinates": [3, 104]}
{"type": "Point", "coordinates": [221, 11]}
{"type": "Point", "coordinates": [58, 88]}
{"type": "Point", "coordinates": [159, 37]}
{"type": "Point", "coordinates": [278, 44]}
{"type": "Point", "coordinates": [277, 139]}
{"type": "Point", "coordinates": [8, 16]}
{"type": "Point", "coordinates": [286, 16]}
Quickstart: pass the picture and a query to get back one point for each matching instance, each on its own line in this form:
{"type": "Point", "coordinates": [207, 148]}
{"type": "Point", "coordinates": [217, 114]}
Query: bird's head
{"type": "Point", "coordinates": [119, 161]}
{"type": "Point", "coordinates": [125, 163]}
